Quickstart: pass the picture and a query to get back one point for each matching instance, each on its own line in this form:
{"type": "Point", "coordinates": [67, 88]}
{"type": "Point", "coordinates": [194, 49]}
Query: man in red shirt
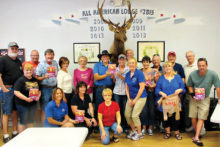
{"type": "Point", "coordinates": [34, 60]}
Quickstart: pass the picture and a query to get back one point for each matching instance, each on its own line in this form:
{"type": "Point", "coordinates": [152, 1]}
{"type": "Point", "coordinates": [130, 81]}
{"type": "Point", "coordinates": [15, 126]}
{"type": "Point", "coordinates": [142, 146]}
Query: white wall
{"type": "Point", "coordinates": [28, 22]}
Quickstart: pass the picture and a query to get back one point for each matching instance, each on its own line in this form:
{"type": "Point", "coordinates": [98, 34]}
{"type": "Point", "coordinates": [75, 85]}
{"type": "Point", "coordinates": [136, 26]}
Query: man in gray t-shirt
{"type": "Point", "coordinates": [201, 79]}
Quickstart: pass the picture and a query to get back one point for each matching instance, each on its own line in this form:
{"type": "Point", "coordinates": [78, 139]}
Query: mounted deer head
{"type": "Point", "coordinates": [120, 32]}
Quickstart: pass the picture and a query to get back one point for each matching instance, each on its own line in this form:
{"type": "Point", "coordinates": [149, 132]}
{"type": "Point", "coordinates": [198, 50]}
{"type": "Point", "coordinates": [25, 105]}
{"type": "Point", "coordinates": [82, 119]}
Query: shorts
{"type": "Point", "coordinates": [46, 96]}
{"type": "Point", "coordinates": [7, 101]}
{"type": "Point", "coordinates": [26, 113]}
{"type": "Point", "coordinates": [199, 109]}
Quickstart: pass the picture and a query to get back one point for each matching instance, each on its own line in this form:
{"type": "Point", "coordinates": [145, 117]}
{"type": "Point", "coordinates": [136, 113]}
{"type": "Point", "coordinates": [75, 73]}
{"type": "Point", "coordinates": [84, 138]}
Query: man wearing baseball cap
{"type": "Point", "coordinates": [10, 71]}
{"type": "Point", "coordinates": [176, 66]}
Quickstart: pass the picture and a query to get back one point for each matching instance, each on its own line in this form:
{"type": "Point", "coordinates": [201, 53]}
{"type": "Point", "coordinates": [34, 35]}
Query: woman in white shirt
{"type": "Point", "coordinates": [64, 81]}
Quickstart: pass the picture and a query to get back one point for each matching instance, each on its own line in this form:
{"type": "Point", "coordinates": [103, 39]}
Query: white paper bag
{"type": "Point", "coordinates": [215, 118]}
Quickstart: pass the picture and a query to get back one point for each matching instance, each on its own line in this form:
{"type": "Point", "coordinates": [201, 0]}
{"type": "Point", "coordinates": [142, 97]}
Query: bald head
{"type": "Point", "coordinates": [34, 56]}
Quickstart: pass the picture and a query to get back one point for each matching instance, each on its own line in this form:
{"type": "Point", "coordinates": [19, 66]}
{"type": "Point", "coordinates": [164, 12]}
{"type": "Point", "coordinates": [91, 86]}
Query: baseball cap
{"type": "Point", "coordinates": [121, 56]}
{"type": "Point", "coordinates": [172, 52]}
{"type": "Point", "coordinates": [11, 44]}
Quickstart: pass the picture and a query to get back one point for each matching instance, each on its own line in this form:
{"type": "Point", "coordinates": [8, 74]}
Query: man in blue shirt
{"type": "Point", "coordinates": [103, 78]}
{"type": "Point", "coordinates": [46, 72]}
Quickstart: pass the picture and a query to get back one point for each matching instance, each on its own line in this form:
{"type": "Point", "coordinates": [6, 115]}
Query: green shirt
{"type": "Point", "coordinates": [206, 81]}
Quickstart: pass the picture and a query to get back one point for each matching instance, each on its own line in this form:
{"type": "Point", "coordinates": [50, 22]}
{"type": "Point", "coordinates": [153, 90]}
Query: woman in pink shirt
{"type": "Point", "coordinates": [84, 73]}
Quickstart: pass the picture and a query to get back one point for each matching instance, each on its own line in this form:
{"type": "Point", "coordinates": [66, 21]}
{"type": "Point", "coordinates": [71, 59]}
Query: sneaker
{"type": "Point", "coordinates": [203, 131]}
{"type": "Point", "coordinates": [14, 135]}
{"type": "Point", "coordinates": [189, 129]}
{"type": "Point", "coordinates": [150, 132]}
{"type": "Point", "coordinates": [114, 139]}
{"type": "Point", "coordinates": [162, 130]}
{"type": "Point", "coordinates": [131, 134]}
{"type": "Point", "coordinates": [126, 132]}
{"type": "Point", "coordinates": [137, 136]}
{"type": "Point", "coordinates": [143, 131]}
{"type": "Point", "coordinates": [6, 139]}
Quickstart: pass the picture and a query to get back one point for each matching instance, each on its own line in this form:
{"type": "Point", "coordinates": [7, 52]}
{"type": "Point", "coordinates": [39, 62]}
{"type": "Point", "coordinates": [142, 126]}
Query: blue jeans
{"type": "Point", "coordinates": [148, 112]}
{"type": "Point", "coordinates": [46, 97]}
{"type": "Point", "coordinates": [98, 98]}
{"type": "Point", "coordinates": [113, 127]}
{"type": "Point", "coordinates": [7, 101]}
{"type": "Point", "coordinates": [122, 100]}
{"type": "Point", "coordinates": [26, 113]}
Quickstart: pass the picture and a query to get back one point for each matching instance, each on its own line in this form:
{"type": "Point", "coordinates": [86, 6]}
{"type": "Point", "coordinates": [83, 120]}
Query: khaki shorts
{"type": "Point", "coordinates": [199, 109]}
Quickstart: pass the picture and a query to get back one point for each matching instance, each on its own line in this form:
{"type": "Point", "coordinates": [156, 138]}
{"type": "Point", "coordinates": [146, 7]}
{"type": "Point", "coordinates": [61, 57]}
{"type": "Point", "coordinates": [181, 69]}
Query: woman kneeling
{"type": "Point", "coordinates": [109, 118]}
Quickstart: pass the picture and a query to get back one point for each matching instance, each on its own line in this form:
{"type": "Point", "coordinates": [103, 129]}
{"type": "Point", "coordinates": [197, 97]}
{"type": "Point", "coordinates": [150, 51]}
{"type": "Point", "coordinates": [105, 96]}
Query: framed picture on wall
{"type": "Point", "coordinates": [21, 53]}
{"type": "Point", "coordinates": [90, 50]}
{"type": "Point", "coordinates": [149, 48]}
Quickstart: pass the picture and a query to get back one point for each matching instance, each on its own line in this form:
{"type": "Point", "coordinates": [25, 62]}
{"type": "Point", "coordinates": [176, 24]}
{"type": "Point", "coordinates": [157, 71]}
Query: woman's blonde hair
{"type": "Point", "coordinates": [55, 91]}
{"type": "Point", "coordinates": [106, 90]}
{"type": "Point", "coordinates": [171, 65]}
{"type": "Point", "coordinates": [132, 58]}
{"type": "Point", "coordinates": [82, 57]}
{"type": "Point", "coordinates": [28, 66]}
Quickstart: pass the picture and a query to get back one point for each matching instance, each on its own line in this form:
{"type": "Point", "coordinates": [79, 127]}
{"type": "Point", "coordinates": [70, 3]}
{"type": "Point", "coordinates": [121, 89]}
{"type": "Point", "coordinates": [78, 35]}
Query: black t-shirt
{"type": "Point", "coordinates": [10, 69]}
{"type": "Point", "coordinates": [82, 105]}
{"type": "Point", "coordinates": [24, 85]}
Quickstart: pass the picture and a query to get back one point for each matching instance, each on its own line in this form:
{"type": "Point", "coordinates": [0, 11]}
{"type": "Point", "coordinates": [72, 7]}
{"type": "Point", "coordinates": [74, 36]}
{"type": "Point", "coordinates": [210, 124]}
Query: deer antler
{"type": "Point", "coordinates": [127, 24]}
{"type": "Point", "coordinates": [109, 22]}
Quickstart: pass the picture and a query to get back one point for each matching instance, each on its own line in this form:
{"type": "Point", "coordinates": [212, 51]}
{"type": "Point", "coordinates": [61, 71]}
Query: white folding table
{"type": "Point", "coordinates": [49, 137]}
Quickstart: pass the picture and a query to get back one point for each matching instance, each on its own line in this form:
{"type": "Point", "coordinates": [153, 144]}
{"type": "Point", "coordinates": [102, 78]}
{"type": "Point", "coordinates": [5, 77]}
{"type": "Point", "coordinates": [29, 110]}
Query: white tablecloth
{"type": "Point", "coordinates": [49, 137]}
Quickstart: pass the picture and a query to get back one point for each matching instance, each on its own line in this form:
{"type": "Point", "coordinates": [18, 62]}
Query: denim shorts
{"type": "Point", "coordinates": [45, 97]}
{"type": "Point", "coordinates": [7, 101]}
{"type": "Point", "coordinates": [26, 113]}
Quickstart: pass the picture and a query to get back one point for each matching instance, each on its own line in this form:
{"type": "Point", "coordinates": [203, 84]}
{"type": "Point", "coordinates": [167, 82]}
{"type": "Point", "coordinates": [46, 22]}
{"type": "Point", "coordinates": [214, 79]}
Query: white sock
{"type": "Point", "coordinates": [6, 135]}
{"type": "Point", "coordinates": [15, 132]}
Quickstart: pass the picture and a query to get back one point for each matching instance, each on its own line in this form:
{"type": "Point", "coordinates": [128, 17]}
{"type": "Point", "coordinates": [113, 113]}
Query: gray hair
{"type": "Point", "coordinates": [48, 51]}
{"type": "Point", "coordinates": [190, 52]}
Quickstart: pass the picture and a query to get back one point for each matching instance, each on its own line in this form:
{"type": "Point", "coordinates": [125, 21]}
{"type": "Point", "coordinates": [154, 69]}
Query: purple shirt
{"type": "Point", "coordinates": [86, 76]}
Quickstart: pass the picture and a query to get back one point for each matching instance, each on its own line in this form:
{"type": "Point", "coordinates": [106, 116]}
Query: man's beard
{"type": "Point", "coordinates": [14, 55]}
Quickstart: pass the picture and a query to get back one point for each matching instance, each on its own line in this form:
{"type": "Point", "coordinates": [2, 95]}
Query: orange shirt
{"type": "Point", "coordinates": [34, 66]}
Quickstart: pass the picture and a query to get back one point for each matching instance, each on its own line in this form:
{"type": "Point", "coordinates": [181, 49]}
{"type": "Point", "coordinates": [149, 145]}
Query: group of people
{"type": "Point", "coordinates": [126, 98]}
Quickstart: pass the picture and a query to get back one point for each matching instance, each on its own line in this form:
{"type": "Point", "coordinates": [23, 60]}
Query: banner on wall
{"type": "Point", "coordinates": [21, 53]}
{"type": "Point", "coordinates": [139, 28]}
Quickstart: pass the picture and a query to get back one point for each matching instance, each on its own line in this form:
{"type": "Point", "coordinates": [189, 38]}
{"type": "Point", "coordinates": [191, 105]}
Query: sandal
{"type": "Point", "coordinates": [114, 139]}
{"type": "Point", "coordinates": [198, 142]}
{"type": "Point", "coordinates": [166, 135]}
{"type": "Point", "coordinates": [200, 137]}
{"type": "Point", "coordinates": [178, 137]}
